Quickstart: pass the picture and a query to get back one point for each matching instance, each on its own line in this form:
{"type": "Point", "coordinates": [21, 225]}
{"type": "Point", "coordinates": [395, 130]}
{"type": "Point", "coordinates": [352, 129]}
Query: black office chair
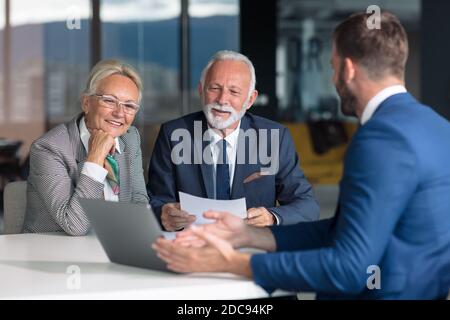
{"type": "Point", "coordinates": [9, 161]}
{"type": "Point", "coordinates": [326, 129]}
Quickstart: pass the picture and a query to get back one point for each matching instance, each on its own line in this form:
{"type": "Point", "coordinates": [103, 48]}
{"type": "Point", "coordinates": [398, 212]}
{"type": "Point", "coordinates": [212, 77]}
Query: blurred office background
{"type": "Point", "coordinates": [47, 48]}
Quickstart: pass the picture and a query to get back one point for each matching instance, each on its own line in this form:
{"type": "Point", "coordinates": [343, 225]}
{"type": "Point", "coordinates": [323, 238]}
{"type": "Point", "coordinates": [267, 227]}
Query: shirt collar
{"type": "Point", "coordinates": [85, 135]}
{"type": "Point", "coordinates": [231, 139]}
{"type": "Point", "coordinates": [375, 102]}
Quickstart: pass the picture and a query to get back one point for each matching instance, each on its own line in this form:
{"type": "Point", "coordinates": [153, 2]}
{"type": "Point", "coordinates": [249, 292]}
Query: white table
{"type": "Point", "coordinates": [37, 266]}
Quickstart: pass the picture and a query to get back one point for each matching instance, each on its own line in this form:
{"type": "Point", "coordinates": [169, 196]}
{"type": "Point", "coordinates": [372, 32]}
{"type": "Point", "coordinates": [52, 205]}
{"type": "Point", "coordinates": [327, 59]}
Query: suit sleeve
{"type": "Point", "coordinates": [294, 192]}
{"type": "Point", "coordinates": [50, 178]}
{"type": "Point", "coordinates": [137, 175]}
{"type": "Point", "coordinates": [375, 191]}
{"type": "Point", "coordinates": [303, 235]}
{"type": "Point", "coordinates": [161, 186]}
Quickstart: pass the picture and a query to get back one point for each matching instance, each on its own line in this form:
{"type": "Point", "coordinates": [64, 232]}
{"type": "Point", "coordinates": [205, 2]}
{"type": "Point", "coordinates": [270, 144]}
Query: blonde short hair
{"type": "Point", "coordinates": [109, 67]}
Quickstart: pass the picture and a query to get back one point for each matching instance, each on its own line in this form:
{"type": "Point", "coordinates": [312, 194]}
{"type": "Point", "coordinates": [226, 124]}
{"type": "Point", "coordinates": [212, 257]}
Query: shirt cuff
{"type": "Point", "coordinates": [94, 171]}
{"type": "Point", "coordinates": [277, 220]}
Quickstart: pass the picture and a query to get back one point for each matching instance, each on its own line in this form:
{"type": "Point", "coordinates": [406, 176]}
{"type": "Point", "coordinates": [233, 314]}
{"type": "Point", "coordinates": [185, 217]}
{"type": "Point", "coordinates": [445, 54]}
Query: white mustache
{"type": "Point", "coordinates": [219, 107]}
{"type": "Point", "coordinates": [216, 121]}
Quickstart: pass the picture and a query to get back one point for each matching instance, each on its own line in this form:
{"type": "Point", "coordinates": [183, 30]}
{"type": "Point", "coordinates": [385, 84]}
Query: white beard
{"type": "Point", "coordinates": [217, 122]}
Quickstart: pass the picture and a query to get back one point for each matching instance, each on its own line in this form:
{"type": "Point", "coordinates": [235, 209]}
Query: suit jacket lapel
{"type": "Point", "coordinates": [76, 144]}
{"type": "Point", "coordinates": [124, 169]}
{"type": "Point", "coordinates": [205, 168]}
{"type": "Point", "coordinates": [243, 170]}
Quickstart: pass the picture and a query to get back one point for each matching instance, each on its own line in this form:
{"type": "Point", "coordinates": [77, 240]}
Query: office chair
{"type": "Point", "coordinates": [15, 204]}
{"type": "Point", "coordinates": [9, 161]}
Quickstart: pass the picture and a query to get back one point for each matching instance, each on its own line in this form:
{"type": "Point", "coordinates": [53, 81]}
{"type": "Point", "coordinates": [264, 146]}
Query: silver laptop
{"type": "Point", "coordinates": [126, 232]}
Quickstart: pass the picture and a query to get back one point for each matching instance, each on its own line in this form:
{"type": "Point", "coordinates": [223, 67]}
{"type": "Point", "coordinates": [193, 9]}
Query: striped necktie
{"type": "Point", "coordinates": [113, 174]}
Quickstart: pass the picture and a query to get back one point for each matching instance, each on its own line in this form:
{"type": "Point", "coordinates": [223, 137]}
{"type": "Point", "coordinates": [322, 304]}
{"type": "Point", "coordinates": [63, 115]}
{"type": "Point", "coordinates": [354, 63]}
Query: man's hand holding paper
{"type": "Point", "coordinates": [196, 206]}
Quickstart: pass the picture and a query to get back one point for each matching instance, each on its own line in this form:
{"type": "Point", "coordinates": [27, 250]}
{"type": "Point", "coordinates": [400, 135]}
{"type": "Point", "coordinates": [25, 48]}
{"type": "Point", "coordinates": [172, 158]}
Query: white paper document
{"type": "Point", "coordinates": [197, 206]}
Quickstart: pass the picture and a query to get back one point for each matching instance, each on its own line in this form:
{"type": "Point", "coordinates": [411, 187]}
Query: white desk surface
{"type": "Point", "coordinates": [34, 266]}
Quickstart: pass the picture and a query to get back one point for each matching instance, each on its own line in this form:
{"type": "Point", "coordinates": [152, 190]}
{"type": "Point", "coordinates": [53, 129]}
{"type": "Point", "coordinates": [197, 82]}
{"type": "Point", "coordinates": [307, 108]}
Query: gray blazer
{"type": "Point", "coordinates": [55, 183]}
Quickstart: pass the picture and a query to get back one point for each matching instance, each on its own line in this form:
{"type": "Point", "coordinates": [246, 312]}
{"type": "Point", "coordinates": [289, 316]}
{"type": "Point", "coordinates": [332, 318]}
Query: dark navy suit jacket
{"type": "Point", "coordinates": [288, 186]}
{"type": "Point", "coordinates": [394, 213]}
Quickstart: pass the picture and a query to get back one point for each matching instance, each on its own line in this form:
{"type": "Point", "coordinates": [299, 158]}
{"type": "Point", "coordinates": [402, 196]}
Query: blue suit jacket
{"type": "Point", "coordinates": [394, 213]}
{"type": "Point", "coordinates": [288, 186]}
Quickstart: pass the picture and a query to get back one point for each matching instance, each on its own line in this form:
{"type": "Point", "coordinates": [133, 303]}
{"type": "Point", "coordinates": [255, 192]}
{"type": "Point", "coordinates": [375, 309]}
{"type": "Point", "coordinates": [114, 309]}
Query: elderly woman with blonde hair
{"type": "Point", "coordinates": [96, 155]}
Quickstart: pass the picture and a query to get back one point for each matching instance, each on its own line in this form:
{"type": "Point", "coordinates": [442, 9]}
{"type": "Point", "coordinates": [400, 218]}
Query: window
{"type": "Point", "coordinates": [48, 64]}
{"type": "Point", "coordinates": [305, 90]}
{"type": "Point", "coordinates": [214, 26]}
{"type": "Point", "coordinates": [50, 58]}
{"type": "Point", "coordinates": [146, 35]}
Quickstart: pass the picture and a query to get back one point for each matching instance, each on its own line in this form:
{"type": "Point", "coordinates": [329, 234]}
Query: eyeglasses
{"type": "Point", "coordinates": [112, 102]}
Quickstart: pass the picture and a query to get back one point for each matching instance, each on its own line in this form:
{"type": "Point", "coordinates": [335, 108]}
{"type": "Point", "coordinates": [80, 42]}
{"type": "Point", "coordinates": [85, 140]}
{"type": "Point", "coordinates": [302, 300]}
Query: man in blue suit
{"type": "Point", "coordinates": [390, 237]}
{"type": "Point", "coordinates": [260, 162]}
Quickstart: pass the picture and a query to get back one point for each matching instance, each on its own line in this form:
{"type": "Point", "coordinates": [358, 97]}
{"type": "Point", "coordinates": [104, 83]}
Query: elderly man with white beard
{"type": "Point", "coordinates": [237, 154]}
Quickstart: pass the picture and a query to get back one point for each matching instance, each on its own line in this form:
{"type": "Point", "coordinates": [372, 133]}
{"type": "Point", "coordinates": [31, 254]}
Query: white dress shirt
{"type": "Point", "coordinates": [93, 170]}
{"type": "Point", "coordinates": [232, 141]}
{"type": "Point", "coordinates": [376, 100]}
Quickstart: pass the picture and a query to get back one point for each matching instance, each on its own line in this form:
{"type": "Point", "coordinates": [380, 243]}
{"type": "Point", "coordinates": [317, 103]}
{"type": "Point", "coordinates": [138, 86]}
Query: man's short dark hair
{"type": "Point", "coordinates": [381, 51]}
